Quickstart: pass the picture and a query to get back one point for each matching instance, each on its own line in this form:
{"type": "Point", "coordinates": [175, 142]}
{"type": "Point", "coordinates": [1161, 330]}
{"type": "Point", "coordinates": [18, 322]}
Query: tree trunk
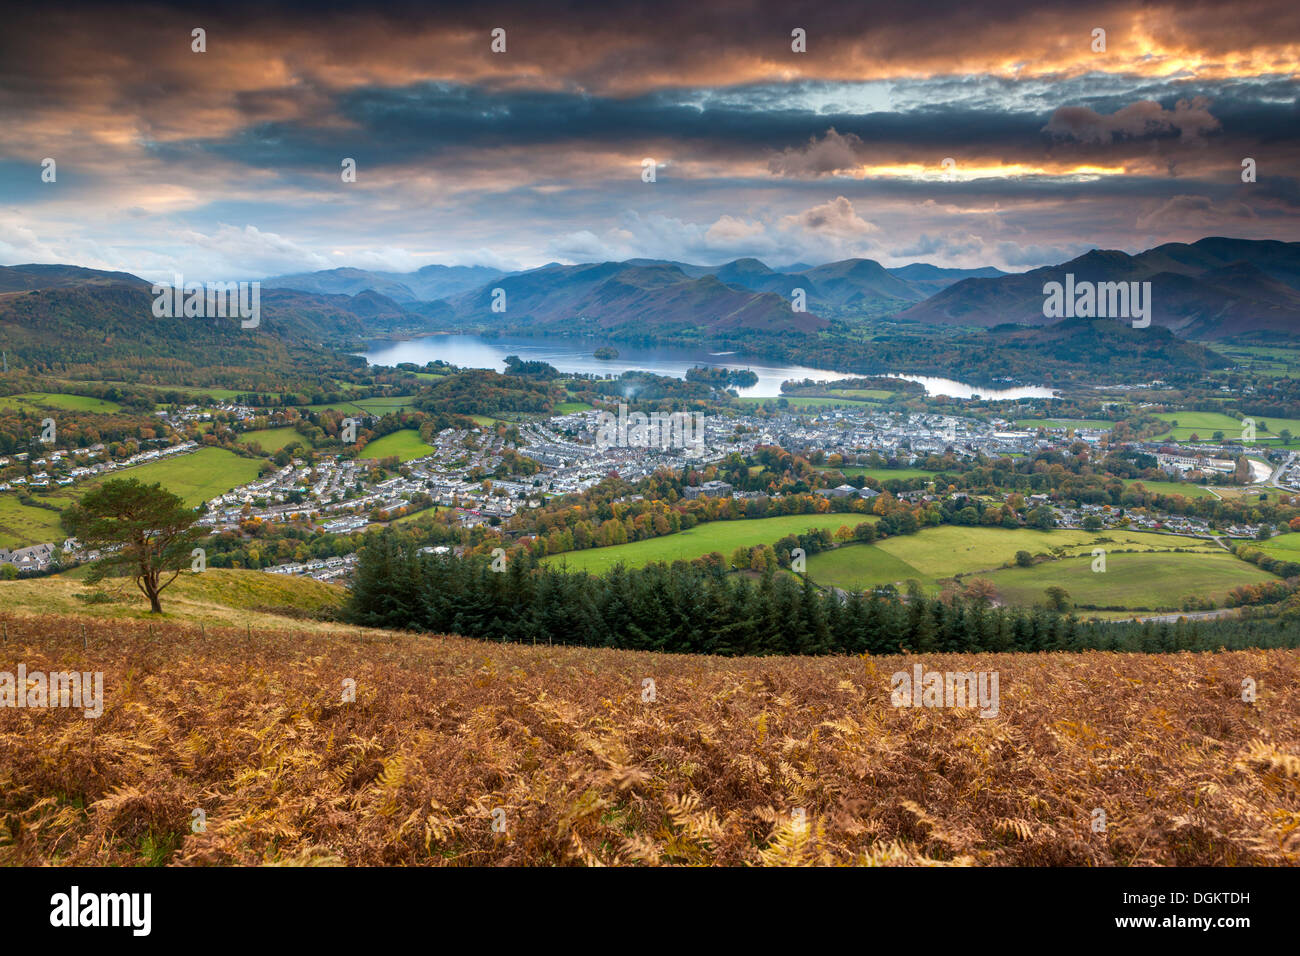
{"type": "Point", "coordinates": [151, 590]}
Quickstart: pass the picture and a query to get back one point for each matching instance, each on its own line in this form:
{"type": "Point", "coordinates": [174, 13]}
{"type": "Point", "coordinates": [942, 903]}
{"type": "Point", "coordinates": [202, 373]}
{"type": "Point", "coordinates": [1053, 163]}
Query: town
{"type": "Point", "coordinates": [345, 493]}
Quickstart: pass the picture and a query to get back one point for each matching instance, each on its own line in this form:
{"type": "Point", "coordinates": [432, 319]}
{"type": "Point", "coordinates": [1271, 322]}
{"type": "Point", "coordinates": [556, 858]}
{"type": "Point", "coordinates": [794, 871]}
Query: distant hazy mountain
{"type": "Point", "coordinates": [1214, 288]}
{"type": "Point", "coordinates": [621, 297]}
{"type": "Point", "coordinates": [343, 282]}
{"type": "Point", "coordinates": [442, 282]}
{"type": "Point", "coordinates": [860, 286]}
{"type": "Point", "coordinates": [934, 278]}
{"type": "Point", "coordinates": [853, 285]}
{"type": "Point", "coordinates": [426, 284]}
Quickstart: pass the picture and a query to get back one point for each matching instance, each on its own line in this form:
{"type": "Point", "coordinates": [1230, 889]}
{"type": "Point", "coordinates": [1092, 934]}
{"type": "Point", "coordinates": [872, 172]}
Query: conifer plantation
{"type": "Point", "coordinates": [699, 607]}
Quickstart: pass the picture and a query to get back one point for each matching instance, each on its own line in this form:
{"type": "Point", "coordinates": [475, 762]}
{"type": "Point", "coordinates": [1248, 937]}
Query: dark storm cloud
{"type": "Point", "coordinates": [428, 120]}
{"type": "Point", "coordinates": [760, 150]}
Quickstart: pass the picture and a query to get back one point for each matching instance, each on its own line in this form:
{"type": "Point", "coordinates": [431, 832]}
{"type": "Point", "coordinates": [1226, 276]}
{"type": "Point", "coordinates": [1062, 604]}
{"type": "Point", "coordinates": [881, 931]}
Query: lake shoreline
{"type": "Point", "coordinates": [574, 354]}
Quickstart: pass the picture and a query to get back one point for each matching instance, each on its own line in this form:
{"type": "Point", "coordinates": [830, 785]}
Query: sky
{"type": "Point", "coordinates": [962, 134]}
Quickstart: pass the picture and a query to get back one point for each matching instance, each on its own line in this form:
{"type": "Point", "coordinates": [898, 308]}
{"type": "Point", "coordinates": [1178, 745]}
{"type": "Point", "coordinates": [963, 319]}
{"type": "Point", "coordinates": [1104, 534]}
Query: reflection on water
{"type": "Point", "coordinates": [575, 355]}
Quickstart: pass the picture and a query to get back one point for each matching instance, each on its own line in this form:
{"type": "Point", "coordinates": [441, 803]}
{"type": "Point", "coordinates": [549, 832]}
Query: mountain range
{"type": "Point", "coordinates": [1212, 289]}
{"type": "Point", "coordinates": [424, 285]}
{"type": "Point", "coordinates": [856, 286]}
{"type": "Point", "coordinates": [1215, 288]}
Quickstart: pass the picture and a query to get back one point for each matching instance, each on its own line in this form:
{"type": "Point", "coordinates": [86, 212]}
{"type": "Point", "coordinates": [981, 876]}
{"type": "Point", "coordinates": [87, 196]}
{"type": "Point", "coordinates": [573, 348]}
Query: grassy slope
{"type": "Point", "coordinates": [1205, 424]}
{"type": "Point", "coordinates": [811, 402]}
{"type": "Point", "coordinates": [868, 393]}
{"type": "Point", "coordinates": [1144, 581]}
{"type": "Point", "coordinates": [405, 444]}
{"type": "Point", "coordinates": [722, 536]}
{"type": "Point", "coordinates": [884, 474]}
{"type": "Point", "coordinates": [1286, 546]}
{"type": "Point", "coordinates": [36, 401]}
{"type": "Point", "coordinates": [938, 553]}
{"type": "Point", "coordinates": [1171, 488]}
{"type": "Point", "coordinates": [196, 390]}
{"type": "Point", "coordinates": [195, 477]}
{"type": "Point", "coordinates": [217, 596]}
{"type": "Point", "coordinates": [374, 406]}
{"type": "Point", "coordinates": [417, 515]}
{"type": "Point", "coordinates": [273, 439]}
{"type": "Point", "coordinates": [1091, 423]}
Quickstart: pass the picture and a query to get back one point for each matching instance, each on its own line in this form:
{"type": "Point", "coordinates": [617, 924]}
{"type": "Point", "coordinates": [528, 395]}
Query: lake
{"type": "Point", "coordinates": [575, 355]}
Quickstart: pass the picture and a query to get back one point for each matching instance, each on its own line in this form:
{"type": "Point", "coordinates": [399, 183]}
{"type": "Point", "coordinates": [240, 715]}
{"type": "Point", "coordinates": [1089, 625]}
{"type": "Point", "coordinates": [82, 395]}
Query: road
{"type": "Point", "coordinates": [1281, 469]}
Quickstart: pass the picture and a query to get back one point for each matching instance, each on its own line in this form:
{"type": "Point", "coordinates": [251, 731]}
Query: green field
{"type": "Point", "coordinates": [722, 536]}
{"type": "Point", "coordinates": [798, 403]}
{"type": "Point", "coordinates": [196, 390]}
{"type": "Point", "coordinates": [58, 401]}
{"type": "Point", "coordinates": [418, 514]}
{"type": "Point", "coordinates": [221, 394]}
{"type": "Point", "coordinates": [857, 567]}
{"type": "Point", "coordinates": [1153, 581]}
{"type": "Point", "coordinates": [385, 404]}
{"type": "Point", "coordinates": [196, 477]}
{"type": "Point", "coordinates": [934, 554]}
{"type": "Point", "coordinates": [884, 474]}
{"type": "Point", "coordinates": [273, 439]}
{"type": "Point", "coordinates": [21, 525]}
{"type": "Point", "coordinates": [867, 393]}
{"type": "Point", "coordinates": [1285, 546]}
{"type": "Point", "coordinates": [1276, 425]}
{"type": "Point", "coordinates": [1262, 360]}
{"type": "Point", "coordinates": [1094, 423]}
{"type": "Point", "coordinates": [1171, 488]}
{"type": "Point", "coordinates": [568, 408]}
{"type": "Point", "coordinates": [1205, 424]}
{"type": "Point", "coordinates": [405, 444]}
{"type": "Point", "coordinates": [370, 406]}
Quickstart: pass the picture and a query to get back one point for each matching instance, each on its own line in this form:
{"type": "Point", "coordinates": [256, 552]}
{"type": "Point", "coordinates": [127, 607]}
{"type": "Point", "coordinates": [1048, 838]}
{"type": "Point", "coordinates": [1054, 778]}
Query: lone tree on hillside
{"type": "Point", "coordinates": [146, 530]}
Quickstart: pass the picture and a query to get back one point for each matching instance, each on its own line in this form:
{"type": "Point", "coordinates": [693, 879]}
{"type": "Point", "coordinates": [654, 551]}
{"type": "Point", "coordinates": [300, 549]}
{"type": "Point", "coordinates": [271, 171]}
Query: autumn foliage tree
{"type": "Point", "coordinates": [145, 531]}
